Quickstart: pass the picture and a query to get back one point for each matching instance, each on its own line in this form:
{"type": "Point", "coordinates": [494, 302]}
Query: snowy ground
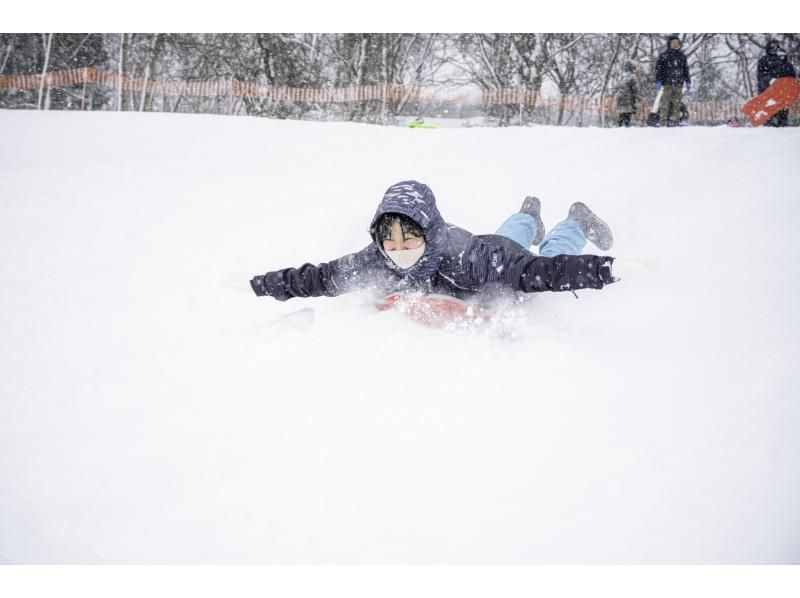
{"type": "Point", "coordinates": [153, 410]}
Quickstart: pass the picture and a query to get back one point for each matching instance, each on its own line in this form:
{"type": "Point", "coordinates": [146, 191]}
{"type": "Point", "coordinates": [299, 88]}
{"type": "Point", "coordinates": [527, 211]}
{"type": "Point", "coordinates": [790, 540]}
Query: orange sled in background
{"type": "Point", "coordinates": [783, 93]}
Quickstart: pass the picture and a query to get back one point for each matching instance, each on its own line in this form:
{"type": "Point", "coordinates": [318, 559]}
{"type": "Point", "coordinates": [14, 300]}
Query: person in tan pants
{"type": "Point", "coordinates": [672, 71]}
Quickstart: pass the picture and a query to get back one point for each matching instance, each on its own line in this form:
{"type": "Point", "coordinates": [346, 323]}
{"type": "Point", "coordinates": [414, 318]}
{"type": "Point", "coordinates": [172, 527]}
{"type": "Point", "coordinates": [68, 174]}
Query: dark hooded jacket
{"type": "Point", "coordinates": [628, 91]}
{"type": "Point", "coordinates": [671, 66]}
{"type": "Point", "coordinates": [455, 262]}
{"type": "Point", "coordinates": [773, 65]}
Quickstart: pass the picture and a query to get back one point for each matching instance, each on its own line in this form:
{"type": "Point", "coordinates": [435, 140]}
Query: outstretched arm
{"type": "Point", "coordinates": [565, 273]}
{"type": "Point", "coordinates": [328, 279]}
{"type": "Point", "coordinates": [523, 271]}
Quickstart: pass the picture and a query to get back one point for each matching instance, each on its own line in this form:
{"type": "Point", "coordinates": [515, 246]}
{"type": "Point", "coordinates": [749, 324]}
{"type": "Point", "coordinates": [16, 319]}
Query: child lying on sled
{"type": "Point", "coordinates": [414, 249]}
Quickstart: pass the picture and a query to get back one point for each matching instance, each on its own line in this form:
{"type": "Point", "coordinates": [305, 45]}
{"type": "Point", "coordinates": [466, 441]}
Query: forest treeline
{"type": "Point", "coordinates": [722, 66]}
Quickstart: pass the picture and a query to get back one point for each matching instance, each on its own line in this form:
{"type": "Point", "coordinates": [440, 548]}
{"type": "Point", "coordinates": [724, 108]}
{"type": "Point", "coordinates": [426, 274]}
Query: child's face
{"type": "Point", "coordinates": [401, 241]}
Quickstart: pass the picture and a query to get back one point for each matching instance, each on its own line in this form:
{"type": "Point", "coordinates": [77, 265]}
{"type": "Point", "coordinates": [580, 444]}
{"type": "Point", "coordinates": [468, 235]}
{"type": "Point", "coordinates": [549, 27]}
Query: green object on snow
{"type": "Point", "coordinates": [420, 124]}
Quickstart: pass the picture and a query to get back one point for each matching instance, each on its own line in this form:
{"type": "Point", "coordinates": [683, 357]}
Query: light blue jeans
{"type": "Point", "coordinates": [565, 237]}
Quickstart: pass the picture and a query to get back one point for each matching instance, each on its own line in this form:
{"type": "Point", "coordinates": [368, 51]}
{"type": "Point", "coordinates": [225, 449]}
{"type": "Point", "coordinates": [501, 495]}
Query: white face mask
{"type": "Point", "coordinates": [405, 258]}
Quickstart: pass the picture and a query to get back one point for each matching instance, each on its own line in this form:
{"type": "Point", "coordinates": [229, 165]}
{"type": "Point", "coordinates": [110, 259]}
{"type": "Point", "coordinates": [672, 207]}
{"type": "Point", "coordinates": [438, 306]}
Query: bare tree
{"type": "Point", "coordinates": [48, 47]}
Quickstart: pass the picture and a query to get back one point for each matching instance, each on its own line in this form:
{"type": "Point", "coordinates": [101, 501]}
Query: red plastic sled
{"type": "Point", "coordinates": [781, 94]}
{"type": "Point", "coordinates": [435, 311]}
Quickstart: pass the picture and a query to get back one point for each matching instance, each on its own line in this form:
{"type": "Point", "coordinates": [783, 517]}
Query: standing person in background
{"type": "Point", "coordinates": [628, 94]}
{"type": "Point", "coordinates": [773, 65]}
{"type": "Point", "coordinates": [672, 71]}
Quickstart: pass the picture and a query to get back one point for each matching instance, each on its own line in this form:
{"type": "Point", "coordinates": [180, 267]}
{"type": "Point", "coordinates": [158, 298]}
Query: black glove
{"type": "Point", "coordinates": [258, 286]}
{"type": "Point", "coordinates": [270, 285]}
{"type": "Point", "coordinates": [605, 271]}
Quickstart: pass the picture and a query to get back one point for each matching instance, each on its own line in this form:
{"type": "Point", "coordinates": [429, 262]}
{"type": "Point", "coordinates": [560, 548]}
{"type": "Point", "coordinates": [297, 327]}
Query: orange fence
{"type": "Point", "coordinates": [236, 88]}
{"type": "Point", "coordinates": [699, 111]}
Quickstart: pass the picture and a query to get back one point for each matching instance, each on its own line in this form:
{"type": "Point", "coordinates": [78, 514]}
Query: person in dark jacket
{"type": "Point", "coordinates": [773, 65]}
{"type": "Point", "coordinates": [672, 71]}
{"type": "Point", "coordinates": [628, 94]}
{"type": "Point", "coordinates": [414, 249]}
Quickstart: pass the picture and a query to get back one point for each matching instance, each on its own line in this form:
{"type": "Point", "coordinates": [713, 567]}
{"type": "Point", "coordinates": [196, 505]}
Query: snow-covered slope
{"type": "Point", "coordinates": [153, 410]}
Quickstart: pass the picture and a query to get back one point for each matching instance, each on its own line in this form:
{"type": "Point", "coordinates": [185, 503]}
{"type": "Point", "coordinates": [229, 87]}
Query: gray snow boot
{"type": "Point", "coordinates": [532, 207]}
{"type": "Point", "coordinates": [594, 229]}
